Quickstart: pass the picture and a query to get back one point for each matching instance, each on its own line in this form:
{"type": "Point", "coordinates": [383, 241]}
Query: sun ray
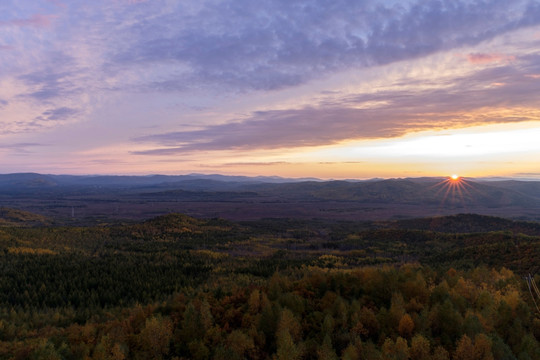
{"type": "Point", "coordinates": [457, 192]}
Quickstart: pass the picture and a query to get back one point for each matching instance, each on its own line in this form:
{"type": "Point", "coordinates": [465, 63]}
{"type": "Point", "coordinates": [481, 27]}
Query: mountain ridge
{"type": "Point", "coordinates": [98, 198]}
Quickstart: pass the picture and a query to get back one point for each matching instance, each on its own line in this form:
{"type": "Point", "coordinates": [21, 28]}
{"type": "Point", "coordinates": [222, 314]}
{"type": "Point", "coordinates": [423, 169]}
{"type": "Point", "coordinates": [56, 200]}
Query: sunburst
{"type": "Point", "coordinates": [455, 188]}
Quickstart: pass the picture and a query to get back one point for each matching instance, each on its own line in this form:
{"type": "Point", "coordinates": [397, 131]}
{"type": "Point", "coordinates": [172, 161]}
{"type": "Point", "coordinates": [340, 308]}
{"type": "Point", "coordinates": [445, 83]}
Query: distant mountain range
{"type": "Point", "coordinates": [239, 197]}
{"type": "Point", "coordinates": [30, 180]}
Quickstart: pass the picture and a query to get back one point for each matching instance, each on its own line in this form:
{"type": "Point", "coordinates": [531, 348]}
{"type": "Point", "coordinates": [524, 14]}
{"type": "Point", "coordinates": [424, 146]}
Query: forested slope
{"type": "Point", "coordinates": [180, 287]}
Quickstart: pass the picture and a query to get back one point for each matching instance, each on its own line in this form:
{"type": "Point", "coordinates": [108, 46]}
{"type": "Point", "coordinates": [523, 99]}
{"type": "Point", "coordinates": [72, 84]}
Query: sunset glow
{"type": "Point", "coordinates": [455, 191]}
{"type": "Point", "coordinates": [223, 87]}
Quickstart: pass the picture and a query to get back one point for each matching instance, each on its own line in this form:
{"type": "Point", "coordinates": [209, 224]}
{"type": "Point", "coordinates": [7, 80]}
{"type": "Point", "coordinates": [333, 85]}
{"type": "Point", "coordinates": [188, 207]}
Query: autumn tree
{"type": "Point", "coordinates": [482, 348]}
{"type": "Point", "coordinates": [440, 353]}
{"type": "Point", "coordinates": [240, 343]}
{"type": "Point", "coordinates": [397, 350]}
{"type": "Point", "coordinates": [156, 337]}
{"type": "Point", "coordinates": [406, 326]}
{"type": "Point", "coordinates": [326, 350]}
{"type": "Point", "coordinates": [420, 348]}
{"type": "Point", "coordinates": [464, 349]}
{"type": "Point", "coordinates": [288, 336]}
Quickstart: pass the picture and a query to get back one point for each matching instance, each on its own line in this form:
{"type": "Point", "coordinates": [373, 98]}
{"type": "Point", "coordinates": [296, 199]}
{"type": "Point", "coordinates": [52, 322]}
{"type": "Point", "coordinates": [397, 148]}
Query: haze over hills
{"type": "Point", "coordinates": [240, 197]}
{"type": "Point", "coordinates": [21, 180]}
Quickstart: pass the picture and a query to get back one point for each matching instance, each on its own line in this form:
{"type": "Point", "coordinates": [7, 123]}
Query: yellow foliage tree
{"type": "Point", "coordinates": [156, 337]}
{"type": "Point", "coordinates": [406, 326]}
{"type": "Point", "coordinates": [420, 348]}
{"type": "Point", "coordinates": [464, 349]}
{"type": "Point", "coordinates": [482, 348]}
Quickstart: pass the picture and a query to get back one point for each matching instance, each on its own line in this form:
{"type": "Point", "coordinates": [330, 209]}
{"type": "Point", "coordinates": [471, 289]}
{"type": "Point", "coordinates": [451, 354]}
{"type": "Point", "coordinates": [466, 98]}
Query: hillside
{"type": "Point", "coordinates": [406, 191]}
{"type": "Point", "coordinates": [212, 288]}
{"type": "Point", "coordinates": [468, 223]}
{"type": "Point", "coordinates": [13, 217]}
{"type": "Point", "coordinates": [97, 199]}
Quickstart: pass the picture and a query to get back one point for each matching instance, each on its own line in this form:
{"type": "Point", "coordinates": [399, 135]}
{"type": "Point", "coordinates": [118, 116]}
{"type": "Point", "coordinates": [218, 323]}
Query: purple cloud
{"type": "Point", "coordinates": [20, 145]}
{"type": "Point", "coordinates": [37, 20]}
{"type": "Point", "coordinates": [58, 114]}
{"type": "Point", "coordinates": [277, 44]}
{"type": "Point", "coordinates": [340, 118]}
{"type": "Point", "coordinates": [55, 80]}
{"type": "Point", "coordinates": [21, 148]}
{"type": "Point", "coordinates": [57, 3]}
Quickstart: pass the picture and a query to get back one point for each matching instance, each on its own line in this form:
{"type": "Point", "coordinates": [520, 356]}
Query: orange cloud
{"type": "Point", "coordinates": [481, 58]}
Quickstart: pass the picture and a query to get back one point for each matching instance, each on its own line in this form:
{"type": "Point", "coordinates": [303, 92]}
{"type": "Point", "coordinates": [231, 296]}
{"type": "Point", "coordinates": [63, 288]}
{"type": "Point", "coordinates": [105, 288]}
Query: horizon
{"type": "Point", "coordinates": [357, 90]}
{"type": "Point", "coordinates": [306, 178]}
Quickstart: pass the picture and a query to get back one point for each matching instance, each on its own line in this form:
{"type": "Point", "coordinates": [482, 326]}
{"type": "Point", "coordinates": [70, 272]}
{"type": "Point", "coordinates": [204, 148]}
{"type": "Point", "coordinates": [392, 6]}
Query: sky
{"type": "Point", "coordinates": [295, 88]}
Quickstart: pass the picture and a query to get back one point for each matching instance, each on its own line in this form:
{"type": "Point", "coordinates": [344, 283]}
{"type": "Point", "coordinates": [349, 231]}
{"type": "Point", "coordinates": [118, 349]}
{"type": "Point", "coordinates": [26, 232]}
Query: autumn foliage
{"type": "Point", "coordinates": [178, 288]}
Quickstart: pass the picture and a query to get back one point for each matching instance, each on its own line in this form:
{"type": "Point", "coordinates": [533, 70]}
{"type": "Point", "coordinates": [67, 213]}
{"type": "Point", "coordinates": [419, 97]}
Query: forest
{"type": "Point", "coordinates": [178, 287]}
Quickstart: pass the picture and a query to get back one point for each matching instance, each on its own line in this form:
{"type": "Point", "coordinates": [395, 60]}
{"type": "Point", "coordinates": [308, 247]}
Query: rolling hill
{"type": "Point", "coordinates": [94, 198]}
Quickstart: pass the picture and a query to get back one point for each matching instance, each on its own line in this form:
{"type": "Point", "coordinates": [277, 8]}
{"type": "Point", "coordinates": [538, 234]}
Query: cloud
{"type": "Point", "coordinates": [58, 114]}
{"type": "Point", "coordinates": [471, 100]}
{"type": "Point", "coordinates": [55, 79]}
{"type": "Point", "coordinates": [236, 46]}
{"type": "Point", "coordinates": [255, 163]}
{"type": "Point", "coordinates": [480, 58]}
{"type": "Point", "coordinates": [315, 127]}
{"type": "Point", "coordinates": [37, 21]}
{"type": "Point", "coordinates": [278, 44]}
{"type": "Point", "coordinates": [46, 94]}
{"type": "Point", "coordinates": [21, 148]}
{"type": "Point", "coordinates": [58, 3]}
{"type": "Point", "coordinates": [20, 145]}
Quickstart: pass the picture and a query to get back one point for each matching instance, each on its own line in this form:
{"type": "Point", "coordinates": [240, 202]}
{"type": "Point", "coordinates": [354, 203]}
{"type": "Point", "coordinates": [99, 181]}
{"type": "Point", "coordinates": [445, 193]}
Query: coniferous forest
{"type": "Point", "coordinates": [176, 287]}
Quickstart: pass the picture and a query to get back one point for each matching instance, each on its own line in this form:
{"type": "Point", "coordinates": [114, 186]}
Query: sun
{"type": "Point", "coordinates": [455, 190]}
